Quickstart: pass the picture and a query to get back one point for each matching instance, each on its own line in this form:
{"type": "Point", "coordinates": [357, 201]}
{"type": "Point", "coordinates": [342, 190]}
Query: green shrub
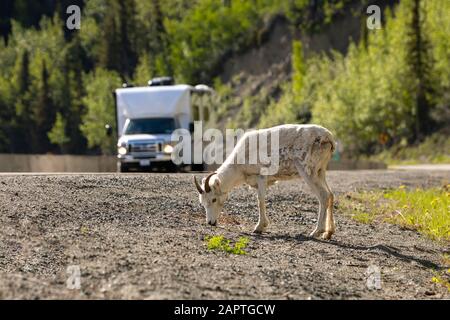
{"type": "Point", "coordinates": [222, 244]}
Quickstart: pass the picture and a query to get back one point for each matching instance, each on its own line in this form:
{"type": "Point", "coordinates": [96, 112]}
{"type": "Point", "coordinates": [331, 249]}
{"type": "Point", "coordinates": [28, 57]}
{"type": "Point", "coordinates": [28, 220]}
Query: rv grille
{"type": "Point", "coordinates": [144, 146]}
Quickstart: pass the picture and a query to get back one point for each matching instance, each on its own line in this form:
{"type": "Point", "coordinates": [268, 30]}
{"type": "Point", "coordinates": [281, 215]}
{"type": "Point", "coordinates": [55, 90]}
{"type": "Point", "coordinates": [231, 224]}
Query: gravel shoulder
{"type": "Point", "coordinates": [142, 236]}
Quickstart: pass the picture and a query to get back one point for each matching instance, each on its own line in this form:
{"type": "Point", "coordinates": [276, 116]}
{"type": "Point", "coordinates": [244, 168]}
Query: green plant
{"type": "Point", "coordinates": [222, 244]}
{"type": "Point", "coordinates": [425, 210]}
{"type": "Point", "coordinates": [443, 277]}
{"type": "Point", "coordinates": [58, 135]}
{"type": "Point", "coordinates": [100, 108]}
{"type": "Point", "coordinates": [360, 206]}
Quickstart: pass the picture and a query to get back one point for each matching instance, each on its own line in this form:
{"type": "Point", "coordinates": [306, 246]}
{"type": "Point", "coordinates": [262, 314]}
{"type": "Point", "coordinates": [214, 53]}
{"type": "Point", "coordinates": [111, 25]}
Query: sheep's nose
{"type": "Point", "coordinates": [212, 223]}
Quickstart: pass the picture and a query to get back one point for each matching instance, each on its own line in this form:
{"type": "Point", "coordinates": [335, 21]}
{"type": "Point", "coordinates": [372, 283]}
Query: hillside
{"type": "Point", "coordinates": [376, 89]}
{"type": "Point", "coordinates": [55, 83]}
{"type": "Point", "coordinates": [260, 71]}
{"type": "Point", "coordinates": [270, 62]}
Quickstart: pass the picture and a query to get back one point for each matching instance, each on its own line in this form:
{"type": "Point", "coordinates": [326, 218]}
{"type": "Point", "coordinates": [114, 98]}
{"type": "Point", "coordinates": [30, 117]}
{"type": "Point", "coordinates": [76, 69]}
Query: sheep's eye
{"type": "Point", "coordinates": [214, 200]}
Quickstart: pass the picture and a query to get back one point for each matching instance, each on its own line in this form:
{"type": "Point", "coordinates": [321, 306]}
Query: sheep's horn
{"type": "Point", "coordinates": [200, 190]}
{"type": "Point", "coordinates": [207, 187]}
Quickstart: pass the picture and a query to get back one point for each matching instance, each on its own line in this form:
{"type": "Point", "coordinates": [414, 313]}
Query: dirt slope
{"type": "Point", "coordinates": [261, 70]}
{"type": "Point", "coordinates": [141, 236]}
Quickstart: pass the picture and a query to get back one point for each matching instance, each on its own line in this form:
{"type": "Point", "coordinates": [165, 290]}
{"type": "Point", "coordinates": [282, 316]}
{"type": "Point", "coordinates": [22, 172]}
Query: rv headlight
{"type": "Point", "coordinates": [122, 151]}
{"type": "Point", "coordinates": [168, 148]}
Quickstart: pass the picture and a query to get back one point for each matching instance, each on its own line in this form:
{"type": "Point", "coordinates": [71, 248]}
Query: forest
{"type": "Point", "coordinates": [391, 87]}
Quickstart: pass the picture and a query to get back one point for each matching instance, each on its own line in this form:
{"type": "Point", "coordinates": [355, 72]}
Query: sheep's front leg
{"type": "Point", "coordinates": [263, 221]}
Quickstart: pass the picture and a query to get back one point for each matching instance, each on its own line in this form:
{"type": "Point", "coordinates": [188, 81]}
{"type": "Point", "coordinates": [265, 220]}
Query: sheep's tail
{"type": "Point", "coordinates": [321, 151]}
{"type": "Point", "coordinates": [331, 142]}
{"type": "Point", "coordinates": [328, 138]}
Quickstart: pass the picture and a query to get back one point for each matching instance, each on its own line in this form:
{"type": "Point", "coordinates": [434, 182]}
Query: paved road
{"type": "Point", "coordinates": [439, 167]}
{"type": "Point", "coordinates": [142, 236]}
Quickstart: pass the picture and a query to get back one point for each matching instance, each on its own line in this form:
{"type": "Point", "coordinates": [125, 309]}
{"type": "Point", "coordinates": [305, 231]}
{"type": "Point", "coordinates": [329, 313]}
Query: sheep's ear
{"type": "Point", "coordinates": [199, 189]}
{"type": "Point", "coordinates": [216, 184]}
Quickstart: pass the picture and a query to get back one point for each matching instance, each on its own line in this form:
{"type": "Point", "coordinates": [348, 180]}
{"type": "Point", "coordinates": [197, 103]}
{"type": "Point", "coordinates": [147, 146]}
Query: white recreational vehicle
{"type": "Point", "coordinates": [146, 118]}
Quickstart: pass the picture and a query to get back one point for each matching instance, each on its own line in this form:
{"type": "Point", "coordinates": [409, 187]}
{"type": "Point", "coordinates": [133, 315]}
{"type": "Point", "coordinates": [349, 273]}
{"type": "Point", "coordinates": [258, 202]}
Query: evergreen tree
{"type": "Point", "coordinates": [161, 45]}
{"type": "Point", "coordinates": [100, 109]}
{"type": "Point", "coordinates": [74, 85]}
{"type": "Point", "coordinates": [298, 67]}
{"type": "Point", "coordinates": [143, 72]}
{"type": "Point", "coordinates": [303, 114]}
{"type": "Point", "coordinates": [57, 134]}
{"type": "Point", "coordinates": [6, 10]}
{"type": "Point", "coordinates": [419, 60]}
{"type": "Point", "coordinates": [127, 39]}
{"type": "Point", "coordinates": [117, 49]}
{"type": "Point", "coordinates": [6, 117]}
{"type": "Point", "coordinates": [108, 52]}
{"type": "Point", "coordinates": [44, 113]}
{"type": "Point", "coordinates": [22, 123]}
{"type": "Point", "coordinates": [25, 12]}
{"type": "Point", "coordinates": [23, 73]}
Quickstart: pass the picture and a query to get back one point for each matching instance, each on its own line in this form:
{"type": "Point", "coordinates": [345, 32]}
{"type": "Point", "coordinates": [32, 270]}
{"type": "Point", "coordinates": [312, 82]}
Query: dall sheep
{"type": "Point", "coordinates": [303, 150]}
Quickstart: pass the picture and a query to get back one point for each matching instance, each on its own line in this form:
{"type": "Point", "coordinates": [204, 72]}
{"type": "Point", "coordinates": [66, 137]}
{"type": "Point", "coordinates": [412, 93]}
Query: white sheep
{"type": "Point", "coordinates": [302, 150]}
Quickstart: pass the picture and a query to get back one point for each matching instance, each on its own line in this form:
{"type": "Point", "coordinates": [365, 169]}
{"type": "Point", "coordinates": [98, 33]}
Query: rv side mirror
{"type": "Point", "coordinates": [108, 130]}
{"type": "Point", "coordinates": [191, 127]}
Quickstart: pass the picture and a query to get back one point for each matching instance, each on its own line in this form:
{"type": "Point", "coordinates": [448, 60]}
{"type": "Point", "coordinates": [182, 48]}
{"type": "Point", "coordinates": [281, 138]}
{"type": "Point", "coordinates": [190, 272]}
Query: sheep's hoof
{"type": "Point", "coordinates": [316, 233]}
{"type": "Point", "coordinates": [258, 230]}
{"type": "Point", "coordinates": [327, 235]}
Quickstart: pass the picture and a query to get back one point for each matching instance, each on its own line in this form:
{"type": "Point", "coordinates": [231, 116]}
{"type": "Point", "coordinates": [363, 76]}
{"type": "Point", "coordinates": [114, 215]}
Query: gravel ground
{"type": "Point", "coordinates": [142, 236]}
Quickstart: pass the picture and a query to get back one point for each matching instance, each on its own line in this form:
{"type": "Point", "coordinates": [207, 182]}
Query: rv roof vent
{"type": "Point", "coordinates": [127, 85]}
{"type": "Point", "coordinates": [161, 81]}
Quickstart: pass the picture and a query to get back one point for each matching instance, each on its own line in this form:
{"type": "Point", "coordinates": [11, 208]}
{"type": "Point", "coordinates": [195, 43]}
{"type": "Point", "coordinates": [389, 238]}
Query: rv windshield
{"type": "Point", "coordinates": [150, 126]}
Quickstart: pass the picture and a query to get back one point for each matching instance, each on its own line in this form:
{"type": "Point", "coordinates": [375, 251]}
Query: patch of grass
{"type": "Point", "coordinates": [363, 217]}
{"type": "Point", "coordinates": [84, 230]}
{"type": "Point", "coordinates": [222, 244]}
{"type": "Point", "coordinates": [427, 211]}
{"type": "Point", "coordinates": [360, 206]}
{"type": "Point", "coordinates": [443, 277]}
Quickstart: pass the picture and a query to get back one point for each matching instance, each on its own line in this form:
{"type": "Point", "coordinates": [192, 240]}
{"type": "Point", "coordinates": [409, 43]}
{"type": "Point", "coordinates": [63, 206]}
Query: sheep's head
{"type": "Point", "coordinates": [211, 197]}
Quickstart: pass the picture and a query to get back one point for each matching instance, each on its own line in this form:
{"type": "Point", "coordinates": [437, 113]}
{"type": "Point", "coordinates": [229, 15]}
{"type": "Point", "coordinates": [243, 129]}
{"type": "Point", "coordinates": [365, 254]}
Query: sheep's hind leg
{"type": "Point", "coordinates": [263, 221]}
{"type": "Point", "coordinates": [330, 225]}
{"type": "Point", "coordinates": [321, 193]}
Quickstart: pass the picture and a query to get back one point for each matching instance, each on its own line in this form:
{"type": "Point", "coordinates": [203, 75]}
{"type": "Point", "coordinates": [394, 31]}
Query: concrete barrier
{"type": "Point", "coordinates": [345, 164]}
{"type": "Point", "coordinates": [56, 163]}
{"type": "Point", "coordinates": [75, 163]}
